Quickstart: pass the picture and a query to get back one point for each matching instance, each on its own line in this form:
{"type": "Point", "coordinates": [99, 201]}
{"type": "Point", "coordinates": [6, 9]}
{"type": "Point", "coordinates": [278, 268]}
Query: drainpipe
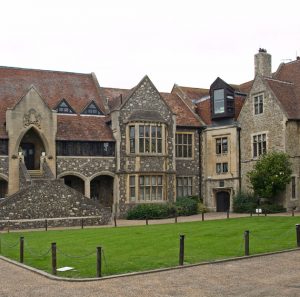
{"type": "Point", "coordinates": [200, 160]}
{"type": "Point", "coordinates": [239, 144]}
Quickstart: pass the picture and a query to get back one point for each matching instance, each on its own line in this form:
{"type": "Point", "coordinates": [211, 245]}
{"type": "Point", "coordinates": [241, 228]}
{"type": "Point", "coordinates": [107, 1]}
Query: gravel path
{"type": "Point", "coordinates": [273, 275]}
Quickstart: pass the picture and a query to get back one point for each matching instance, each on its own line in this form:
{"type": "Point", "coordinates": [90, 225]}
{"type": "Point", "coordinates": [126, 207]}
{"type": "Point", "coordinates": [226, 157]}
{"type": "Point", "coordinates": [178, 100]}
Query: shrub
{"type": "Point", "coordinates": [244, 203]}
{"type": "Point", "coordinates": [186, 206]}
{"type": "Point", "coordinates": [151, 211]}
{"type": "Point", "coordinates": [201, 207]}
{"type": "Point", "coordinates": [272, 208]}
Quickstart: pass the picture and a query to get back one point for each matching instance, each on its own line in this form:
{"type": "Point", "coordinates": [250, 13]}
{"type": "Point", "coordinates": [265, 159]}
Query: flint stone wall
{"type": "Point", "coordinates": [87, 166]}
{"type": "Point", "coordinates": [51, 199]}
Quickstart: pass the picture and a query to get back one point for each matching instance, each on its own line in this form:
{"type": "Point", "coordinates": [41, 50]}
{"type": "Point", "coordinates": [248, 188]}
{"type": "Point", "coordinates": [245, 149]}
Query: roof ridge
{"type": "Point", "coordinates": [280, 81]}
{"type": "Point", "coordinates": [43, 70]}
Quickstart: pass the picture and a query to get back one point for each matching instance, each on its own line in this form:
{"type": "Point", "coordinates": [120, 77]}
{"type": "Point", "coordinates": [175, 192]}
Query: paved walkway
{"type": "Point", "coordinates": [274, 275]}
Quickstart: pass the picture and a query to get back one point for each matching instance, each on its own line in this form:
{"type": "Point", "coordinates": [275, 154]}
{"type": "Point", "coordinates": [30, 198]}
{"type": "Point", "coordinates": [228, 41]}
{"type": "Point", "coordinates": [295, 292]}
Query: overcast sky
{"type": "Point", "coordinates": [188, 42]}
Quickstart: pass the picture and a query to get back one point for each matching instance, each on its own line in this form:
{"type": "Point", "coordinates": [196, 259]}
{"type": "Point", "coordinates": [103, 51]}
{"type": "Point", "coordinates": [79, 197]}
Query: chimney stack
{"type": "Point", "coordinates": [263, 63]}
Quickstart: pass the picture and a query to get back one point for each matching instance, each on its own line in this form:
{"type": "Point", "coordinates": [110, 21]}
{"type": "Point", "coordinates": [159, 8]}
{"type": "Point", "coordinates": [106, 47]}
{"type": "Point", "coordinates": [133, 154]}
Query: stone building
{"type": "Point", "coordinates": [218, 107]}
{"type": "Point", "coordinates": [70, 147]}
{"type": "Point", "coordinates": [269, 120]}
{"type": "Point", "coordinates": [62, 131]}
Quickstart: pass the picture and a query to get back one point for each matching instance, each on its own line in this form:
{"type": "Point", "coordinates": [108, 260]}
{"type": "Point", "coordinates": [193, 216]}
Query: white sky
{"type": "Point", "coordinates": [187, 42]}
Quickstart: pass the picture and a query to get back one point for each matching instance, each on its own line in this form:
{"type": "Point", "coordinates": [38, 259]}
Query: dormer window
{"type": "Point", "coordinates": [222, 99]}
{"type": "Point", "coordinates": [64, 107]}
{"type": "Point", "coordinates": [92, 109]}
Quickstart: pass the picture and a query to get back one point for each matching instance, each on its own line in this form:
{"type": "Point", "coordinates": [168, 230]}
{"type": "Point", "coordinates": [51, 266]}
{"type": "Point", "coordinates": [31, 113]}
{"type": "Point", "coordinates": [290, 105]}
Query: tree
{"type": "Point", "coordinates": [271, 174]}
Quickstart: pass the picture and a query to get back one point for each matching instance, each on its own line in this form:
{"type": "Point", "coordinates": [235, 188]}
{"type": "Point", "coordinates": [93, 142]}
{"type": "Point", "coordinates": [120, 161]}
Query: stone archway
{"type": "Point", "coordinates": [102, 189]}
{"type": "Point", "coordinates": [222, 201]}
{"type": "Point", "coordinates": [74, 182]}
{"type": "Point", "coordinates": [32, 147]}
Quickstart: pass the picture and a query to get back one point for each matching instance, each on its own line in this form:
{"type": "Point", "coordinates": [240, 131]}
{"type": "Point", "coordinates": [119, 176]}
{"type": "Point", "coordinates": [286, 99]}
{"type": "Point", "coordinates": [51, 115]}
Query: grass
{"type": "Point", "coordinates": [129, 249]}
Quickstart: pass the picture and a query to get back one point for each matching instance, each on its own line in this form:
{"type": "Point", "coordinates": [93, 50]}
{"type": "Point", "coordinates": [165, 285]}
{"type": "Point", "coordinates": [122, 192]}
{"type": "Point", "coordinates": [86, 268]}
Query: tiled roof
{"type": "Point", "coordinates": [85, 128]}
{"type": "Point", "coordinates": [203, 108]}
{"type": "Point", "coordinates": [184, 115]}
{"type": "Point", "coordinates": [76, 88]}
{"type": "Point", "coordinates": [114, 96]}
{"type": "Point", "coordinates": [200, 97]}
{"type": "Point", "coordinates": [286, 86]}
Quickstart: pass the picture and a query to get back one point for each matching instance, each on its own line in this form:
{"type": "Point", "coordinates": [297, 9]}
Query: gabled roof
{"type": "Point", "coordinates": [200, 98]}
{"type": "Point", "coordinates": [78, 89]}
{"type": "Point", "coordinates": [184, 115]}
{"type": "Point", "coordinates": [203, 108]}
{"type": "Point", "coordinates": [285, 84]}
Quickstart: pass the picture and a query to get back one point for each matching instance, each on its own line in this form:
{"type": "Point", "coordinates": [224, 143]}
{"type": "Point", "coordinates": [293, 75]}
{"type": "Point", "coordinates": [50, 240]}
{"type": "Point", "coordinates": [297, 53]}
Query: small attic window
{"type": "Point", "coordinates": [92, 109]}
{"type": "Point", "coordinates": [64, 107]}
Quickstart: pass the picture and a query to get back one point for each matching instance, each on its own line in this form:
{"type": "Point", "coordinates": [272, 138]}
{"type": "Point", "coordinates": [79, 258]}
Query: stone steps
{"type": "Point", "coordinates": [35, 173]}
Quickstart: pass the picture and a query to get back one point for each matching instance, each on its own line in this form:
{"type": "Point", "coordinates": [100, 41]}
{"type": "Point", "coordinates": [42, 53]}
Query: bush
{"type": "Point", "coordinates": [272, 208]}
{"type": "Point", "coordinates": [187, 206]}
{"type": "Point", "coordinates": [201, 207]}
{"type": "Point", "coordinates": [244, 203]}
{"type": "Point", "coordinates": [151, 211]}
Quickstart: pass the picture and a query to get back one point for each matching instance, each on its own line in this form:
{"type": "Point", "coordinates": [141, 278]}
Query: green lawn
{"type": "Point", "coordinates": [128, 249]}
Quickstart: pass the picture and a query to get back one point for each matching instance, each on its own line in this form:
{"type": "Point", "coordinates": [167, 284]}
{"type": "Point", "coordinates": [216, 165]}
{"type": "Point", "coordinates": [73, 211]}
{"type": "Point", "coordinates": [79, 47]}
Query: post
{"type": "Point", "coordinates": [115, 220]}
{"type": "Point", "coordinates": [298, 234]}
{"type": "Point", "coordinates": [147, 221]}
{"type": "Point", "coordinates": [202, 213]}
{"type": "Point", "coordinates": [293, 213]}
{"type": "Point", "coordinates": [21, 249]}
{"type": "Point", "coordinates": [53, 251]}
{"type": "Point", "coordinates": [181, 250]}
{"type": "Point", "coordinates": [227, 213]}
{"type": "Point", "coordinates": [46, 225]}
{"type": "Point", "coordinates": [81, 223]}
{"type": "Point", "coordinates": [99, 261]}
{"type": "Point", "coordinates": [246, 237]}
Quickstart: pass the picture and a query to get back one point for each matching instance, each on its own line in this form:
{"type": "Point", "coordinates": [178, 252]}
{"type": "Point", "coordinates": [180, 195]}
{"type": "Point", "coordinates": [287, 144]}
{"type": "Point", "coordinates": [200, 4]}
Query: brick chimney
{"type": "Point", "coordinates": [263, 63]}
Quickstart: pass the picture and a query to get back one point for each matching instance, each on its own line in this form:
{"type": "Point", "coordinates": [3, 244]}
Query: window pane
{"type": "Point", "coordinates": [141, 129]}
{"type": "Point", "coordinates": [153, 180]}
{"type": "Point", "coordinates": [159, 193]}
{"type": "Point", "coordinates": [142, 196]}
{"type": "Point", "coordinates": [159, 180]}
{"type": "Point", "coordinates": [159, 132]}
{"type": "Point", "coordinates": [132, 180]}
{"type": "Point", "coordinates": [147, 131]}
{"type": "Point", "coordinates": [159, 145]}
{"type": "Point", "coordinates": [147, 180]}
{"type": "Point", "coordinates": [219, 101]}
{"type": "Point", "coordinates": [153, 193]}
{"type": "Point", "coordinates": [141, 180]}
{"type": "Point", "coordinates": [147, 193]}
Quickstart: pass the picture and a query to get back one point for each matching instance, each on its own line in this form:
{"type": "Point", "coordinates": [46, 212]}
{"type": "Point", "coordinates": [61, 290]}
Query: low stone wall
{"type": "Point", "coordinates": [80, 222]}
{"type": "Point", "coordinates": [53, 200]}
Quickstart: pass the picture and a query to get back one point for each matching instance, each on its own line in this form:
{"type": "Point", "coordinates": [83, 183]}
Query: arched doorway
{"type": "Point", "coordinates": [223, 201]}
{"type": "Point", "coordinates": [3, 188]}
{"type": "Point", "coordinates": [102, 190]}
{"type": "Point", "coordinates": [74, 182]}
{"type": "Point", "coordinates": [32, 147]}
